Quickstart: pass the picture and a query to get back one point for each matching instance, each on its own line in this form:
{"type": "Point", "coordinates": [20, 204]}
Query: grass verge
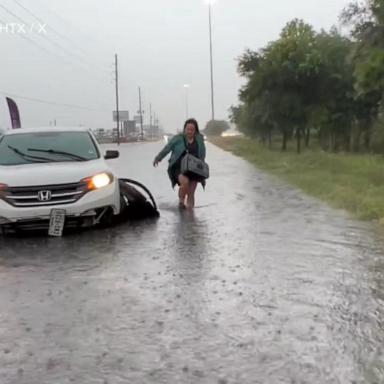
{"type": "Point", "coordinates": [348, 181]}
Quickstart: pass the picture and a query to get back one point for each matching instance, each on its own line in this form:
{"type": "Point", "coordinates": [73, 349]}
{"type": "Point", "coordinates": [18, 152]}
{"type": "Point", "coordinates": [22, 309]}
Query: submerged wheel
{"type": "Point", "coordinates": [106, 219]}
{"type": "Point", "coordinates": [133, 204]}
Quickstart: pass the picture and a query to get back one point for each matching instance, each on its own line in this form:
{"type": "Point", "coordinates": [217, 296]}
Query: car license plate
{"type": "Point", "coordinates": [56, 222]}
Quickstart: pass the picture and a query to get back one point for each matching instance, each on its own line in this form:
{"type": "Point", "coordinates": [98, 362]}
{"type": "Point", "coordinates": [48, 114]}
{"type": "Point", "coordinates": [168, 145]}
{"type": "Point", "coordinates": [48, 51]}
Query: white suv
{"type": "Point", "coordinates": [51, 178]}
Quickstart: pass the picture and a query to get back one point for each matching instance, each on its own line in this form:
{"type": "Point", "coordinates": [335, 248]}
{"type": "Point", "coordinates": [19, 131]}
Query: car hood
{"type": "Point", "coordinates": [50, 173]}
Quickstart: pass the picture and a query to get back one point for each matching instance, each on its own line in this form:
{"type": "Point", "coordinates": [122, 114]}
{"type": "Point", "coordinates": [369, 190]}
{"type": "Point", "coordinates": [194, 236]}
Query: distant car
{"type": "Point", "coordinates": [167, 137]}
{"type": "Point", "coordinates": [232, 133]}
{"type": "Point", "coordinates": [55, 178]}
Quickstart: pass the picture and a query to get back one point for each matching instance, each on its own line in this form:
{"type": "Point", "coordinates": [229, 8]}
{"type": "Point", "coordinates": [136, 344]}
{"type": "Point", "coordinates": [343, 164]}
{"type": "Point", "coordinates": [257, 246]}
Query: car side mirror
{"type": "Point", "coordinates": [111, 155]}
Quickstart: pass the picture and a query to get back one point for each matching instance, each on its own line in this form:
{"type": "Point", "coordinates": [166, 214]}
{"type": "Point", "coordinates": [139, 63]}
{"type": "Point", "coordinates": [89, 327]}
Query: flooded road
{"type": "Point", "coordinates": [261, 284]}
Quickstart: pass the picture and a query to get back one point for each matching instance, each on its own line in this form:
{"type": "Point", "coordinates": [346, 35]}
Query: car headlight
{"type": "Point", "coordinates": [98, 181]}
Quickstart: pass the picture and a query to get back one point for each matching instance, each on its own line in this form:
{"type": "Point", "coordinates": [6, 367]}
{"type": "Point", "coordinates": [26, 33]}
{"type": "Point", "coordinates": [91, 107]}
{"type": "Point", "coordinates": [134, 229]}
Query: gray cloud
{"type": "Point", "coordinates": [162, 45]}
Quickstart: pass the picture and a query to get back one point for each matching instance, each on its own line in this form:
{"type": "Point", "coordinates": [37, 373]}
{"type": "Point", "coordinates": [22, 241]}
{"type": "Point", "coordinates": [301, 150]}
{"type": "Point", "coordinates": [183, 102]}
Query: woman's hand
{"type": "Point", "coordinates": [155, 163]}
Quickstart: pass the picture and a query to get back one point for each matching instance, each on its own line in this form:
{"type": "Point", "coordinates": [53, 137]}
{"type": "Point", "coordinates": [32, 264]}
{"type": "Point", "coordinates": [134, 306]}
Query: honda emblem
{"type": "Point", "coordinates": [44, 196]}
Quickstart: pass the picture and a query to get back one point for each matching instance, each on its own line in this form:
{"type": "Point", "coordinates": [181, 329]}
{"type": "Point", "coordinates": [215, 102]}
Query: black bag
{"type": "Point", "coordinates": [192, 164]}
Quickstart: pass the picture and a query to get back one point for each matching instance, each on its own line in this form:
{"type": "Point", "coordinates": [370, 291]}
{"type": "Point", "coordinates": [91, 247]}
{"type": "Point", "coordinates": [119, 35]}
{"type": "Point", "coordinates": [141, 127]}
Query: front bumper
{"type": "Point", "coordinates": [85, 207]}
{"type": "Point", "coordinates": [28, 225]}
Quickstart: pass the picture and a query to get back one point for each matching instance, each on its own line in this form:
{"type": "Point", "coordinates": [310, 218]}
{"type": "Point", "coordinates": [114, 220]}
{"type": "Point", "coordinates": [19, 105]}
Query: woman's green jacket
{"type": "Point", "coordinates": [177, 145]}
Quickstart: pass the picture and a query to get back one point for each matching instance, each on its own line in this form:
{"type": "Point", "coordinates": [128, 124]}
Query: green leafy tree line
{"type": "Point", "coordinates": [318, 84]}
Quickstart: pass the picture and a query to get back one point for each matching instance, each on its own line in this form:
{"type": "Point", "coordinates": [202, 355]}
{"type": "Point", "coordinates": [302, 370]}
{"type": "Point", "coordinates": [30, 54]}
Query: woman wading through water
{"type": "Point", "coordinates": [192, 142]}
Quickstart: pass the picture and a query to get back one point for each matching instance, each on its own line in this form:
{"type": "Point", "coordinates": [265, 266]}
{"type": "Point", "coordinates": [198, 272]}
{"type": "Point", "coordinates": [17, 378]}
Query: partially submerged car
{"type": "Point", "coordinates": [56, 178]}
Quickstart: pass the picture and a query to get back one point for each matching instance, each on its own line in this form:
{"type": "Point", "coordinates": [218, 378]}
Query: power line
{"type": "Point", "coordinates": [33, 42]}
{"type": "Point", "coordinates": [65, 21]}
{"type": "Point", "coordinates": [70, 25]}
{"type": "Point", "coordinates": [48, 39]}
{"type": "Point", "coordinates": [42, 101]}
{"type": "Point", "coordinates": [45, 49]}
{"type": "Point", "coordinates": [42, 21]}
{"type": "Point", "coordinates": [60, 35]}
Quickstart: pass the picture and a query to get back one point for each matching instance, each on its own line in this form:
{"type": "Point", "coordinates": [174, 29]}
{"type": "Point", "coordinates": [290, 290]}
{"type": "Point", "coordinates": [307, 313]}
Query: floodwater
{"type": "Point", "coordinates": [261, 284]}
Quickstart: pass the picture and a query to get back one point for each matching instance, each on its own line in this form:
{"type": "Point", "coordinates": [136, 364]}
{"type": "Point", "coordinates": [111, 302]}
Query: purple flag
{"type": "Point", "coordinates": [14, 113]}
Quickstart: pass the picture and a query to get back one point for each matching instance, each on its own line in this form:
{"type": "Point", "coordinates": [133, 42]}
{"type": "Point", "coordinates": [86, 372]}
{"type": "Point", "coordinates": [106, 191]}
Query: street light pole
{"type": "Point", "coordinates": [211, 58]}
{"type": "Point", "coordinates": [141, 116]}
{"type": "Point", "coordinates": [150, 121]}
{"type": "Point", "coordinates": [186, 86]}
{"type": "Point", "coordinates": [117, 101]}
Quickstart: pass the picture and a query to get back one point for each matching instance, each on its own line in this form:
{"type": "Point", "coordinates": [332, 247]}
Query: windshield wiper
{"type": "Point", "coordinates": [30, 158]}
{"type": "Point", "coordinates": [53, 151]}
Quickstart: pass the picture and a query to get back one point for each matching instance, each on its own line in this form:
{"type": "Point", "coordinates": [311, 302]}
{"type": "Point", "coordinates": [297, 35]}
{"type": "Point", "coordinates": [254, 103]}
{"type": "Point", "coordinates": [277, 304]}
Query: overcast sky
{"type": "Point", "coordinates": [161, 45]}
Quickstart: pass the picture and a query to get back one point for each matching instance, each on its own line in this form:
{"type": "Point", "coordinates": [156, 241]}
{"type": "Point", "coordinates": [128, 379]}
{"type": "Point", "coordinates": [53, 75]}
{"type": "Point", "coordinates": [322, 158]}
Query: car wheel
{"type": "Point", "coordinates": [106, 219]}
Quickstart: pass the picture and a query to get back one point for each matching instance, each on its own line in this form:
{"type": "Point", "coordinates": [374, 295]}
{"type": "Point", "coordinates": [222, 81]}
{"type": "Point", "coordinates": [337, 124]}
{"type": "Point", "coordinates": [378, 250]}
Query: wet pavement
{"type": "Point", "coordinates": [261, 284]}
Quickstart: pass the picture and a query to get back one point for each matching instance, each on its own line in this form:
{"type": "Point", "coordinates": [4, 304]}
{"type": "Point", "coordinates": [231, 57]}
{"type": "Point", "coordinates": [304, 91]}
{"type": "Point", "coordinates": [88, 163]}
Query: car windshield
{"type": "Point", "coordinates": [46, 147]}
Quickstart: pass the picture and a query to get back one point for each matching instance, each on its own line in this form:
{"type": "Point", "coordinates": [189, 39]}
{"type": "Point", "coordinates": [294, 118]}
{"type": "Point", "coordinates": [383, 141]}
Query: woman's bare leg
{"type": "Point", "coordinates": [184, 187]}
{"type": "Point", "coordinates": [191, 194]}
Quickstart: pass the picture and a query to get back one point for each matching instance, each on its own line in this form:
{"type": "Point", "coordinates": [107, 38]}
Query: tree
{"type": "Point", "coordinates": [235, 114]}
{"type": "Point", "coordinates": [324, 82]}
{"type": "Point", "coordinates": [216, 127]}
{"type": "Point", "coordinates": [336, 90]}
{"type": "Point", "coordinates": [281, 86]}
{"type": "Point", "coordinates": [367, 20]}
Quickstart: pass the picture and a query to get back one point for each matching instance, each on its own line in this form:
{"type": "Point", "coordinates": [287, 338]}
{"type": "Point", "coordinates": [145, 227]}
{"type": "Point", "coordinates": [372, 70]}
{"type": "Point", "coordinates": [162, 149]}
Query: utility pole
{"type": "Point", "coordinates": [150, 120]}
{"type": "Point", "coordinates": [210, 50]}
{"type": "Point", "coordinates": [156, 123]}
{"type": "Point", "coordinates": [117, 102]}
{"type": "Point", "coordinates": [186, 87]}
{"type": "Point", "coordinates": [141, 116]}
{"type": "Point", "coordinates": [186, 106]}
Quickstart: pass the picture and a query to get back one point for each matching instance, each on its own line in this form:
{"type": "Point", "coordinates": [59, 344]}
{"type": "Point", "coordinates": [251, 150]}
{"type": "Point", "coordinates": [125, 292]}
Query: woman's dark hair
{"type": "Point", "coordinates": [194, 122]}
